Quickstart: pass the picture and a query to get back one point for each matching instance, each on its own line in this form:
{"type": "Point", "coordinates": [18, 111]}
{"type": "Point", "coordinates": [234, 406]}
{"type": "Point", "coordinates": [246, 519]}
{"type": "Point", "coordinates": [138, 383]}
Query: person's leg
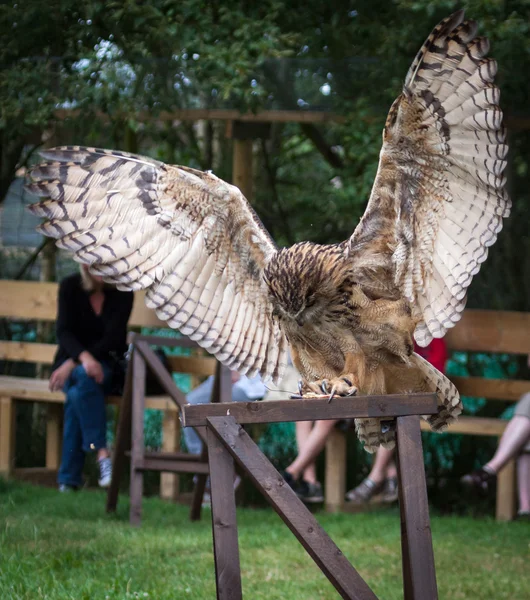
{"type": "Point", "coordinates": [523, 482]}
{"type": "Point", "coordinates": [199, 395]}
{"type": "Point", "coordinates": [303, 431]}
{"type": "Point", "coordinates": [72, 456]}
{"type": "Point", "coordinates": [382, 468]}
{"type": "Point", "coordinates": [311, 449]}
{"type": "Point", "coordinates": [515, 436]}
{"type": "Point", "coordinates": [90, 409]}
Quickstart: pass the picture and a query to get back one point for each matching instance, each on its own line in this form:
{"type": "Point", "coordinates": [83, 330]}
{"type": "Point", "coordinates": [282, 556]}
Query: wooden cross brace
{"type": "Point", "coordinates": [228, 442]}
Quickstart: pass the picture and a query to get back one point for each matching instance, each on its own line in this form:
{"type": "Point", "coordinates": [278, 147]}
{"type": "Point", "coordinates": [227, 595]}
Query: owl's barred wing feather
{"type": "Point", "coordinates": [438, 199]}
{"type": "Point", "coordinates": [189, 238]}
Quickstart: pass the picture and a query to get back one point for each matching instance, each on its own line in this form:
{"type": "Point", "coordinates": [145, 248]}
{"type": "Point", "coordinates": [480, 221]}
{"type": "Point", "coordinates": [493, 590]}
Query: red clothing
{"type": "Point", "coordinates": [435, 353]}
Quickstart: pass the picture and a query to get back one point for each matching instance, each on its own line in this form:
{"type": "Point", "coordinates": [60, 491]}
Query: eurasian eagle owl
{"type": "Point", "coordinates": [348, 312]}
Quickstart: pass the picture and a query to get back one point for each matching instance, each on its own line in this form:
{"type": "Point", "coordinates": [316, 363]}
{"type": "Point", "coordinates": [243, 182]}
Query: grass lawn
{"type": "Point", "coordinates": [64, 546]}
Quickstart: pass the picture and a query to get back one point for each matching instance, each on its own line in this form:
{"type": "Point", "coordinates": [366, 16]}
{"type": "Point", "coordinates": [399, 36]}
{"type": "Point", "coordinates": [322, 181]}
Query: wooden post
{"type": "Point", "coordinates": [419, 576]}
{"type": "Point", "coordinates": [335, 485]}
{"type": "Point", "coordinates": [169, 482]}
{"type": "Point", "coordinates": [505, 510]}
{"type": "Point", "coordinates": [290, 508]}
{"type": "Point", "coordinates": [53, 436]}
{"type": "Point", "coordinates": [137, 446]}
{"type": "Point", "coordinates": [224, 521]}
{"type": "Point", "coordinates": [122, 443]}
{"type": "Point", "coordinates": [7, 435]}
{"type": "Point", "coordinates": [242, 167]}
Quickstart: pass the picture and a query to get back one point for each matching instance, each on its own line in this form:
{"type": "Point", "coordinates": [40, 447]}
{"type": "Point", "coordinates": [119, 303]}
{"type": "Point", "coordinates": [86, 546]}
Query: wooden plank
{"type": "Point", "coordinates": [491, 331]}
{"type": "Point", "coordinates": [28, 352]}
{"type": "Point", "coordinates": [335, 484]}
{"type": "Point", "coordinates": [473, 426]}
{"type": "Point", "coordinates": [193, 365]}
{"type": "Point", "coordinates": [492, 389]}
{"type": "Point", "coordinates": [505, 506]}
{"type": "Point", "coordinates": [418, 556]}
{"type": "Point", "coordinates": [137, 437]}
{"type": "Point", "coordinates": [312, 409]}
{"type": "Point", "coordinates": [169, 482]}
{"type": "Point", "coordinates": [172, 466]}
{"type": "Point", "coordinates": [224, 520]}
{"type": "Point", "coordinates": [172, 456]}
{"type": "Point", "coordinates": [405, 555]}
{"type": "Point", "coordinates": [122, 443]}
{"type": "Point", "coordinates": [7, 435]}
{"type": "Point", "coordinates": [38, 300]}
{"type": "Point", "coordinates": [291, 509]}
{"type": "Point", "coordinates": [221, 114]}
{"type": "Point", "coordinates": [36, 390]}
{"type": "Point", "coordinates": [200, 484]}
{"type": "Point", "coordinates": [54, 419]}
{"type": "Point", "coordinates": [157, 368]}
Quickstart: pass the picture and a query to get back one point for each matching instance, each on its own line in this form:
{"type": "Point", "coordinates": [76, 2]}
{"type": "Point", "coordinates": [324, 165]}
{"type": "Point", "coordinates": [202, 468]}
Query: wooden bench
{"type": "Point", "coordinates": [23, 301]}
{"type": "Point", "coordinates": [478, 331]}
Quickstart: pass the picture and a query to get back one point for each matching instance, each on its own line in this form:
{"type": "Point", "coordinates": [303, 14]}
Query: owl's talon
{"type": "Point", "coordinates": [300, 387]}
{"type": "Point", "coordinates": [337, 386]}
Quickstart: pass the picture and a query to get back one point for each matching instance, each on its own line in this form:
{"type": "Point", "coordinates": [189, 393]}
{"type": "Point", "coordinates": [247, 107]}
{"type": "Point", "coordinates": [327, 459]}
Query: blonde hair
{"type": "Point", "coordinates": [87, 283]}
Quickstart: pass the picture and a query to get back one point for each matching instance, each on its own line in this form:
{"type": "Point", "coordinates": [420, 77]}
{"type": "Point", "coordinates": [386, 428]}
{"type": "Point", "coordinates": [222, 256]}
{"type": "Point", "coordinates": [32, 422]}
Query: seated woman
{"type": "Point", "coordinates": [514, 443]}
{"type": "Point", "coordinates": [91, 330]}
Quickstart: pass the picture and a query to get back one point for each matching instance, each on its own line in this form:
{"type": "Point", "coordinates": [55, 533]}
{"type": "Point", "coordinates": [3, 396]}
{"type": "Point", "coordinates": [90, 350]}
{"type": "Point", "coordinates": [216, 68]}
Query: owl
{"type": "Point", "coordinates": [349, 312]}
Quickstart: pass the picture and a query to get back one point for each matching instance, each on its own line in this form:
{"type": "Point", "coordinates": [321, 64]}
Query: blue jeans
{"type": "Point", "coordinates": [85, 422]}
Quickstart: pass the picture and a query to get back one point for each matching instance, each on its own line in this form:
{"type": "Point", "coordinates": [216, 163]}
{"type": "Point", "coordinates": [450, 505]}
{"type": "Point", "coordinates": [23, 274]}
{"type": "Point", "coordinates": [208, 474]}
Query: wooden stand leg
{"type": "Point", "coordinates": [137, 447]}
{"type": "Point", "coordinates": [53, 436]}
{"type": "Point", "coordinates": [419, 576]}
{"type": "Point", "coordinates": [7, 435]}
{"type": "Point", "coordinates": [224, 522]}
{"type": "Point", "coordinates": [123, 442]}
{"type": "Point", "coordinates": [169, 482]}
{"type": "Point", "coordinates": [289, 507]}
{"type": "Point", "coordinates": [198, 489]}
{"type": "Point", "coordinates": [505, 510]}
{"type": "Point", "coordinates": [335, 486]}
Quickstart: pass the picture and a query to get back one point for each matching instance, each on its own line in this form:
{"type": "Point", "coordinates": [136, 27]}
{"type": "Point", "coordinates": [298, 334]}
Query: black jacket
{"type": "Point", "coordinates": [80, 329]}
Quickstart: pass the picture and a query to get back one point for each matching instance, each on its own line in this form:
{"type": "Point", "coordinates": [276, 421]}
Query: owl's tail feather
{"type": "Point", "coordinates": [449, 403]}
{"type": "Point", "coordinates": [420, 376]}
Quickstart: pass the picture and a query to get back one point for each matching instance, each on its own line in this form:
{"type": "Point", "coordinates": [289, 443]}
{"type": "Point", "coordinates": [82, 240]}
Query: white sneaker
{"type": "Point", "coordinates": [105, 472]}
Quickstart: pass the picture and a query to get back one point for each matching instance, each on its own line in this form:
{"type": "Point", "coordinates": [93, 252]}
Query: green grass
{"type": "Point", "coordinates": [65, 547]}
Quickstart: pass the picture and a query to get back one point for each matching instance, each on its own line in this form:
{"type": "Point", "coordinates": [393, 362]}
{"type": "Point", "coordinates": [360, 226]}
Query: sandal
{"type": "Point", "coordinates": [480, 481]}
{"type": "Point", "coordinates": [390, 491]}
{"type": "Point", "coordinates": [365, 491]}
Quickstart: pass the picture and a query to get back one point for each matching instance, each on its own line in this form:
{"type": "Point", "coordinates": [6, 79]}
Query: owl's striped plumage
{"type": "Point", "coordinates": [349, 311]}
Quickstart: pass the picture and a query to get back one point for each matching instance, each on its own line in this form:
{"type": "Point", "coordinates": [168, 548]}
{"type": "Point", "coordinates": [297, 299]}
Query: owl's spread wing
{"type": "Point", "coordinates": [438, 199]}
{"type": "Point", "coordinates": [187, 237]}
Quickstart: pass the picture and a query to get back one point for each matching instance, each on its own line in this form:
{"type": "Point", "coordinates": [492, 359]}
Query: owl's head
{"type": "Point", "coordinates": [302, 280]}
